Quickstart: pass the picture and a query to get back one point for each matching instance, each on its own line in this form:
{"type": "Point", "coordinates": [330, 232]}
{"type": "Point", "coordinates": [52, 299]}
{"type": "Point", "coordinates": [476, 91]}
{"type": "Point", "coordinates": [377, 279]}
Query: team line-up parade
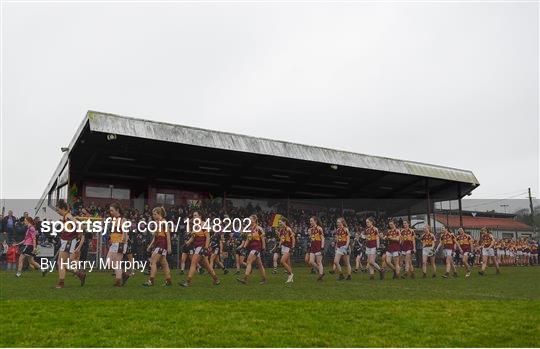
{"type": "Point", "coordinates": [378, 252]}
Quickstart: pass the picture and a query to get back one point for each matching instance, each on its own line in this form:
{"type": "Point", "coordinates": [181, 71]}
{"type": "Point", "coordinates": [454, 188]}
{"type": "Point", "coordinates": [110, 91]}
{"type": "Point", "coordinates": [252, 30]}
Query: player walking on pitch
{"type": "Point", "coordinates": [160, 247]}
{"type": "Point", "coordinates": [372, 244]}
{"type": "Point", "coordinates": [200, 239]}
{"type": "Point", "coordinates": [29, 248]}
{"type": "Point", "coordinates": [70, 246]}
{"type": "Point", "coordinates": [255, 244]}
{"type": "Point", "coordinates": [287, 242]}
{"type": "Point", "coordinates": [465, 242]}
{"type": "Point", "coordinates": [118, 247]}
{"type": "Point", "coordinates": [428, 252]}
{"type": "Point", "coordinates": [316, 246]}
{"type": "Point", "coordinates": [488, 254]}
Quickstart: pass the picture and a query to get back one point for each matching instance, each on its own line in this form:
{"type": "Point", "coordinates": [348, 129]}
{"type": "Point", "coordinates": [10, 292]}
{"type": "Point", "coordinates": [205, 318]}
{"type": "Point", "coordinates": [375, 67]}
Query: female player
{"type": "Point", "coordinates": [239, 256]}
{"type": "Point", "coordinates": [448, 242]}
{"type": "Point", "coordinates": [465, 242]}
{"type": "Point", "coordinates": [393, 235]}
{"type": "Point", "coordinates": [216, 248]}
{"type": "Point", "coordinates": [526, 251]}
{"type": "Point", "coordinates": [306, 256]}
{"type": "Point", "coordinates": [343, 238]}
{"type": "Point", "coordinates": [534, 252]}
{"type": "Point", "coordinates": [160, 247]}
{"type": "Point", "coordinates": [499, 251]}
{"type": "Point", "coordinates": [185, 255]}
{"type": "Point", "coordinates": [508, 252]}
{"type": "Point", "coordinates": [118, 245]}
{"type": "Point", "coordinates": [70, 246]}
{"type": "Point", "coordinates": [408, 247]}
{"type": "Point", "coordinates": [316, 246]}
{"type": "Point", "coordinates": [187, 252]}
{"type": "Point", "coordinates": [200, 241]}
{"type": "Point", "coordinates": [477, 252]}
{"type": "Point", "coordinates": [487, 242]}
{"type": "Point", "coordinates": [372, 244]}
{"type": "Point", "coordinates": [287, 241]}
{"type": "Point", "coordinates": [255, 244]}
{"type": "Point", "coordinates": [276, 255]}
{"type": "Point", "coordinates": [519, 253]}
{"type": "Point", "coordinates": [129, 252]}
{"type": "Point", "coordinates": [272, 247]}
{"type": "Point", "coordinates": [359, 251]}
{"type": "Point", "coordinates": [428, 244]}
{"type": "Point", "coordinates": [29, 247]}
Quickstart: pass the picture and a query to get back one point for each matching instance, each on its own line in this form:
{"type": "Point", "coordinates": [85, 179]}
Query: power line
{"type": "Point", "coordinates": [510, 193]}
{"type": "Point", "coordinates": [496, 201]}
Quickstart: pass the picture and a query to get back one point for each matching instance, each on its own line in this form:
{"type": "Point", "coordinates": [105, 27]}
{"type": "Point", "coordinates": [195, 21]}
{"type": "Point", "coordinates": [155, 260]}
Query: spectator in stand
{"type": "Point", "coordinates": [3, 254]}
{"type": "Point", "coordinates": [76, 206]}
{"type": "Point", "coordinates": [8, 226]}
{"type": "Point", "coordinates": [20, 228]}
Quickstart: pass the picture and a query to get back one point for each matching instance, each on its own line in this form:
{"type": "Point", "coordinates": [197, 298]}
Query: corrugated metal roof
{"type": "Point", "coordinates": [452, 221]}
{"type": "Point", "coordinates": [127, 126]}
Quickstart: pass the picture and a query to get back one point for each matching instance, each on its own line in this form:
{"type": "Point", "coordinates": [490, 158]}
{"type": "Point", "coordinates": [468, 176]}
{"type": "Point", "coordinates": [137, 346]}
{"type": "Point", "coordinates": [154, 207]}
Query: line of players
{"type": "Point", "coordinates": [205, 250]}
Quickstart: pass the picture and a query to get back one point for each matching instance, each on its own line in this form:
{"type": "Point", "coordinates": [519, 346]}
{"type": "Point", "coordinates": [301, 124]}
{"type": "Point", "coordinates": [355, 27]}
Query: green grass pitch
{"type": "Point", "coordinates": [491, 311]}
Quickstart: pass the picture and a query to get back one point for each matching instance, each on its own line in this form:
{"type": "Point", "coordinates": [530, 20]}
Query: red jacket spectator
{"type": "Point", "coordinates": [12, 254]}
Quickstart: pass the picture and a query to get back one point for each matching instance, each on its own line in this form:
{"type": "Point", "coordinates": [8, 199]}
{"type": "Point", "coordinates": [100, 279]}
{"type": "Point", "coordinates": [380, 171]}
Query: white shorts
{"type": "Point", "coordinates": [316, 253]}
{"type": "Point", "coordinates": [447, 252]}
{"type": "Point", "coordinates": [510, 254]}
{"type": "Point", "coordinates": [118, 247]}
{"type": "Point", "coordinates": [404, 253]}
{"type": "Point", "coordinates": [427, 251]}
{"type": "Point", "coordinates": [254, 252]}
{"type": "Point", "coordinates": [197, 250]}
{"type": "Point", "coordinates": [392, 254]}
{"type": "Point", "coordinates": [342, 251]}
{"type": "Point", "coordinates": [371, 250]}
{"type": "Point", "coordinates": [465, 254]}
{"type": "Point", "coordinates": [161, 251]}
{"type": "Point", "coordinates": [519, 253]}
{"type": "Point", "coordinates": [488, 252]}
{"type": "Point", "coordinates": [285, 249]}
{"type": "Point", "coordinates": [68, 245]}
{"type": "Point", "coordinates": [500, 253]}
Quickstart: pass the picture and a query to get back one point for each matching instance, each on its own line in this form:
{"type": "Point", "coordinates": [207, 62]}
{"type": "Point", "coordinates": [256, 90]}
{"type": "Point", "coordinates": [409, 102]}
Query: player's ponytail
{"type": "Point", "coordinates": [30, 221]}
{"type": "Point", "coordinates": [160, 211]}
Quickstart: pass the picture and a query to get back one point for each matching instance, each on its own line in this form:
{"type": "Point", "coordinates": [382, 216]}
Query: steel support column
{"type": "Point", "coordinates": [428, 203]}
{"type": "Point", "coordinates": [460, 210]}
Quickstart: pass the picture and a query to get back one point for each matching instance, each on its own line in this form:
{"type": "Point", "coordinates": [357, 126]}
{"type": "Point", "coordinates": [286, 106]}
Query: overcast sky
{"type": "Point", "coordinates": [451, 84]}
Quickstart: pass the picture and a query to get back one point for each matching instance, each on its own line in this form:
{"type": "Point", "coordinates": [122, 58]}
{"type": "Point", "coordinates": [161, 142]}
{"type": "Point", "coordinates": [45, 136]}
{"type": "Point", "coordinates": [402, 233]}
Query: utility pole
{"type": "Point", "coordinates": [532, 211]}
